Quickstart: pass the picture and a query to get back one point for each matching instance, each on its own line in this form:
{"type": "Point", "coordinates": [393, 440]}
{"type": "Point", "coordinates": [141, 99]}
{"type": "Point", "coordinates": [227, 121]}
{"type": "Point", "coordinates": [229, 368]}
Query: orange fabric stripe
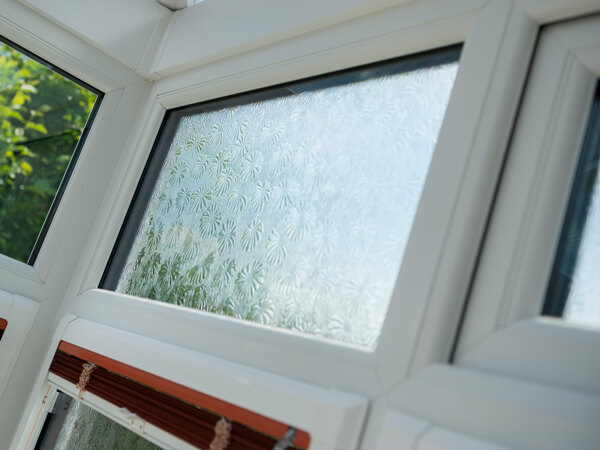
{"type": "Point", "coordinates": [250, 419]}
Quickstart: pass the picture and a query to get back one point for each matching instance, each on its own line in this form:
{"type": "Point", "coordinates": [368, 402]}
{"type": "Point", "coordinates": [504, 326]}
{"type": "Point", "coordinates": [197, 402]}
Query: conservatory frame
{"type": "Point", "coordinates": [379, 398]}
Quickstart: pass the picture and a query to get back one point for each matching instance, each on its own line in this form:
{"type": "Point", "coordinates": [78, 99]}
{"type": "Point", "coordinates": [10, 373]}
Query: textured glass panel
{"type": "Point", "coordinates": [42, 118]}
{"type": "Point", "coordinates": [85, 428]}
{"type": "Point", "coordinates": [293, 211]}
{"type": "Point", "coordinates": [574, 289]}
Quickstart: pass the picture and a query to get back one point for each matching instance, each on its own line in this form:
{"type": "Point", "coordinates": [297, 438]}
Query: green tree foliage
{"type": "Point", "coordinates": [42, 115]}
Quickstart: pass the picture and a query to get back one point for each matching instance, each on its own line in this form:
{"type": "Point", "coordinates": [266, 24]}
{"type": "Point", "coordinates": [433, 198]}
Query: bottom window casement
{"type": "Point", "coordinates": [140, 398]}
{"type": "Point", "coordinates": [73, 425]}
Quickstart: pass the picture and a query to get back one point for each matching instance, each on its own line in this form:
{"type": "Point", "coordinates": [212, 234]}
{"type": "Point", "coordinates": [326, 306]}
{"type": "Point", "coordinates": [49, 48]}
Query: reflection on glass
{"type": "Point", "coordinates": [583, 303]}
{"type": "Point", "coordinates": [574, 290]}
{"type": "Point", "coordinates": [85, 428]}
{"type": "Point", "coordinates": [294, 211]}
{"type": "Point", "coordinates": [42, 115]}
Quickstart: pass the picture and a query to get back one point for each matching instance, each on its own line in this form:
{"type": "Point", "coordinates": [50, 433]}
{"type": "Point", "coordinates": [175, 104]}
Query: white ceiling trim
{"type": "Point", "coordinates": [156, 38]}
{"type": "Point", "coordinates": [128, 31]}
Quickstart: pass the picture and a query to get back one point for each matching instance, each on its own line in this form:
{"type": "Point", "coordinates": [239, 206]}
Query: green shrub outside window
{"type": "Point", "coordinates": [43, 115]}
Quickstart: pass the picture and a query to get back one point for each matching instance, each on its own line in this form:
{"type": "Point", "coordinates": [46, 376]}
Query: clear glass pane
{"type": "Point", "coordinates": [42, 116]}
{"type": "Point", "coordinates": [85, 428]}
{"type": "Point", "coordinates": [583, 303]}
{"type": "Point", "coordinates": [294, 211]}
{"type": "Point", "coordinates": [574, 289]}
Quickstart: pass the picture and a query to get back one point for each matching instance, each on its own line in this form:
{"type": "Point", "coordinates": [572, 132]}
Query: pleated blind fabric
{"type": "Point", "coordinates": [181, 411]}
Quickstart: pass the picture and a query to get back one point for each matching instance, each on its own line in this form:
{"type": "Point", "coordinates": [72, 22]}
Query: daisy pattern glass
{"type": "Point", "coordinates": [289, 206]}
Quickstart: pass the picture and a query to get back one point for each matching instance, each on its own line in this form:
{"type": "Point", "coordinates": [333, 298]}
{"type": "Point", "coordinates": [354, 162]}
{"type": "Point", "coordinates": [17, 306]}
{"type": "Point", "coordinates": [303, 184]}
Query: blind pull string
{"type": "Point", "coordinates": [222, 435]}
{"type": "Point", "coordinates": [286, 441]}
{"type": "Point", "coordinates": [84, 378]}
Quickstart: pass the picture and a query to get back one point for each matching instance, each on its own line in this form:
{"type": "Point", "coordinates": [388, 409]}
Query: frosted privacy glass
{"type": "Point", "coordinates": [293, 211]}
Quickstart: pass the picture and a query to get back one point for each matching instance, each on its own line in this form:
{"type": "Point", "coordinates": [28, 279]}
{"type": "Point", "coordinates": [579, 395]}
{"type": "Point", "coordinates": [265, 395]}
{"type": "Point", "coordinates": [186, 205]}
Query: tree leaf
{"type": "Point", "coordinates": [26, 167]}
{"type": "Point", "coordinates": [18, 99]}
{"type": "Point", "coordinates": [37, 127]}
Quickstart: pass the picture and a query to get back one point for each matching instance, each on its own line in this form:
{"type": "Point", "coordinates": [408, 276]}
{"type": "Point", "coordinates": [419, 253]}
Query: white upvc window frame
{"type": "Point", "coordinates": [425, 310]}
{"type": "Point", "coordinates": [40, 288]}
{"type": "Point", "coordinates": [503, 329]}
{"type": "Point", "coordinates": [451, 215]}
{"type": "Point", "coordinates": [420, 326]}
{"type": "Point", "coordinates": [516, 378]}
{"type": "Point", "coordinates": [94, 68]}
{"type": "Point", "coordinates": [452, 211]}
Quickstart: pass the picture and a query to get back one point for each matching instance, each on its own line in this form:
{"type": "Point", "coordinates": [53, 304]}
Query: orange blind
{"type": "Point", "coordinates": [177, 409]}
